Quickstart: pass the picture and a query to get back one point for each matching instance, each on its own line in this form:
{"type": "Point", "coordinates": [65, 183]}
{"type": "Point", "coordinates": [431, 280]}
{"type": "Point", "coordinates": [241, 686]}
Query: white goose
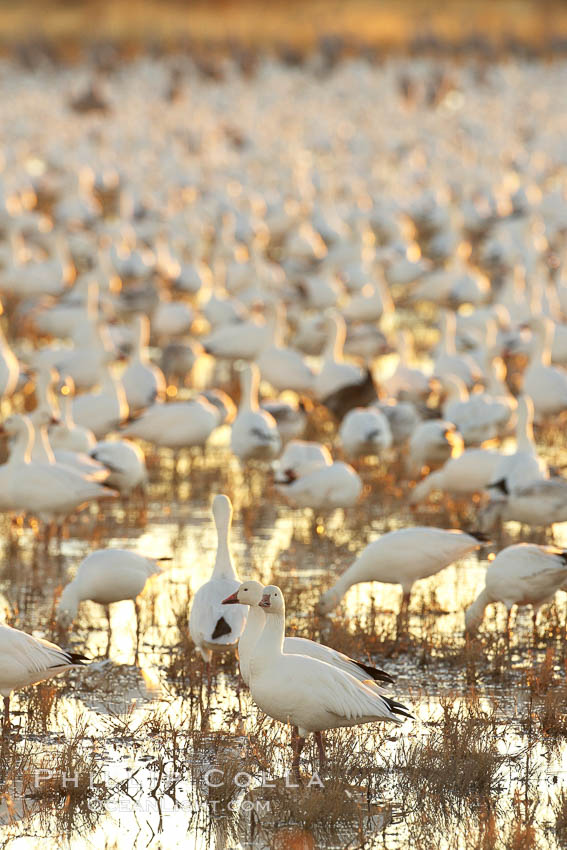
{"type": "Point", "coordinates": [107, 576]}
{"type": "Point", "coordinates": [433, 442]}
{"type": "Point", "coordinates": [176, 425]}
{"type": "Point", "coordinates": [125, 462]}
{"type": "Point", "coordinates": [26, 660]}
{"type": "Point", "coordinates": [538, 505]}
{"type": "Point", "coordinates": [9, 368]}
{"type": "Point", "coordinates": [523, 574]}
{"type": "Point", "coordinates": [299, 458]}
{"type": "Point", "coordinates": [250, 593]}
{"type": "Point", "coordinates": [324, 487]}
{"type": "Point", "coordinates": [365, 431]}
{"type": "Point", "coordinates": [407, 382]}
{"type": "Point", "coordinates": [284, 368]}
{"type": "Point", "coordinates": [447, 361]}
{"type": "Point", "coordinates": [65, 434]}
{"type": "Point", "coordinates": [401, 557]}
{"type": "Point", "coordinates": [49, 491]}
{"type": "Point", "coordinates": [243, 340]}
{"type": "Point", "coordinates": [308, 693]}
{"type": "Point", "coordinates": [291, 417]}
{"type": "Point", "coordinates": [102, 411]}
{"type": "Point", "coordinates": [545, 384]}
{"type": "Point", "coordinates": [470, 472]}
{"type": "Point", "coordinates": [143, 382]}
{"type": "Point", "coordinates": [213, 627]}
{"type": "Point", "coordinates": [254, 433]}
{"type": "Point", "coordinates": [335, 373]}
{"type": "Point", "coordinates": [477, 416]}
{"type": "Point", "coordinates": [524, 466]}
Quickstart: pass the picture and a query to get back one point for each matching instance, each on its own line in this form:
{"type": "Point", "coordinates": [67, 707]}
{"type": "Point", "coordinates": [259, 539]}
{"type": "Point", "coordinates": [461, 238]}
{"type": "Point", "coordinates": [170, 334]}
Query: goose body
{"type": "Point", "coordinates": [65, 434]}
{"type": "Point", "coordinates": [143, 382]}
{"type": "Point", "coordinates": [243, 340]}
{"type": "Point", "coordinates": [250, 593]}
{"type": "Point", "coordinates": [327, 487]}
{"type": "Point", "coordinates": [524, 466]}
{"type": "Point", "coordinates": [470, 472]}
{"type": "Point", "coordinates": [102, 411]}
{"type": "Point", "coordinates": [291, 418]}
{"type": "Point", "coordinates": [433, 442]}
{"type": "Point", "coordinates": [299, 458]}
{"type": "Point", "coordinates": [125, 463]}
{"type": "Point", "coordinates": [401, 557]}
{"type": "Point", "coordinates": [308, 693]}
{"type": "Point", "coordinates": [478, 417]}
{"type": "Point", "coordinates": [42, 489]}
{"type": "Point", "coordinates": [365, 432]}
{"type": "Point", "coordinates": [538, 505]}
{"type": "Point", "coordinates": [25, 660]}
{"type": "Point", "coordinates": [448, 362]}
{"type": "Point", "coordinates": [545, 384]}
{"type": "Point", "coordinates": [254, 434]}
{"type": "Point", "coordinates": [176, 425]}
{"type": "Point", "coordinates": [212, 626]}
{"type": "Point", "coordinates": [335, 374]}
{"type": "Point", "coordinates": [523, 574]}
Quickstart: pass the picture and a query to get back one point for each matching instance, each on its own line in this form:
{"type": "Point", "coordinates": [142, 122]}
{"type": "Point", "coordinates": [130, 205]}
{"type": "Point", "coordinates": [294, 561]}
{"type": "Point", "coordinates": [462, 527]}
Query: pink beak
{"type": "Point", "coordinates": [232, 599]}
{"type": "Point", "coordinates": [265, 603]}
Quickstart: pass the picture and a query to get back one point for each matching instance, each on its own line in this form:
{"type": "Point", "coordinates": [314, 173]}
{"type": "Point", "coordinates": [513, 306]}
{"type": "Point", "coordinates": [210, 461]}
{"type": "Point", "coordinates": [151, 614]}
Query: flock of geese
{"type": "Point", "coordinates": [315, 330]}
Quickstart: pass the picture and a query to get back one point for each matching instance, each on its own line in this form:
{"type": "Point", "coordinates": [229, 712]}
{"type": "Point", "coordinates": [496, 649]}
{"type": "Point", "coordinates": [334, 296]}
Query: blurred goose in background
{"type": "Point", "coordinates": [365, 432]}
{"type": "Point", "coordinates": [9, 368]}
{"type": "Point", "coordinates": [401, 557]}
{"type": "Point", "coordinates": [538, 505]}
{"type": "Point", "coordinates": [545, 384]}
{"type": "Point", "coordinates": [284, 368]}
{"type": "Point", "coordinates": [125, 463]}
{"type": "Point", "coordinates": [524, 466]}
{"type": "Point", "coordinates": [407, 382]}
{"type": "Point", "coordinates": [478, 416]}
{"type": "Point", "coordinates": [105, 577]}
{"type": "Point", "coordinates": [243, 340]}
{"type": "Point", "coordinates": [523, 574]}
{"type": "Point", "coordinates": [143, 382]}
{"type": "Point", "coordinates": [308, 693]}
{"type": "Point", "coordinates": [433, 442]}
{"type": "Point", "coordinates": [335, 374]}
{"type": "Point", "coordinates": [26, 659]}
{"type": "Point", "coordinates": [64, 433]}
{"type": "Point", "coordinates": [250, 593]}
{"type": "Point", "coordinates": [291, 417]}
{"type": "Point", "coordinates": [104, 410]}
{"type": "Point", "coordinates": [176, 425]}
{"type": "Point", "coordinates": [320, 487]}
{"type": "Point", "coordinates": [254, 434]}
{"type": "Point", "coordinates": [299, 458]}
{"type": "Point", "coordinates": [448, 362]}
{"type": "Point", "coordinates": [214, 627]}
{"type": "Point", "coordinates": [470, 472]}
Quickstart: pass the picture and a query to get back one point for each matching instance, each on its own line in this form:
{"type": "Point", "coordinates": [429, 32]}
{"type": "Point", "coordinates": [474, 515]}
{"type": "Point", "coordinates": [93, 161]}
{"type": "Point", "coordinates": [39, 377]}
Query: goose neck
{"type": "Point", "coordinates": [271, 644]}
{"type": "Point", "coordinates": [255, 623]}
{"type": "Point", "coordinates": [249, 386]}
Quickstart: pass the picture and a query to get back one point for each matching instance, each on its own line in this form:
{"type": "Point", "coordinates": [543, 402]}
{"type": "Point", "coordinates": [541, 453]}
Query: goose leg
{"type": "Point", "coordinates": [137, 610]}
{"type": "Point", "coordinates": [508, 629]}
{"type": "Point", "coordinates": [109, 633]}
{"type": "Point", "coordinates": [297, 744]}
{"type": "Point", "coordinates": [6, 719]}
{"type": "Point", "coordinates": [534, 626]}
{"type": "Point", "coordinates": [321, 747]}
{"type": "Point", "coordinates": [403, 617]}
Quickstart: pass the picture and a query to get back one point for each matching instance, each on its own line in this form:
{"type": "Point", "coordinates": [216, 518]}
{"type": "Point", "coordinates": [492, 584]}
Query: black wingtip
{"type": "Point", "coordinates": [398, 708]}
{"type": "Point", "coordinates": [375, 673]}
{"type": "Point", "coordinates": [221, 629]}
{"type": "Point", "coordinates": [500, 485]}
{"type": "Point", "coordinates": [77, 658]}
{"type": "Point", "coordinates": [480, 536]}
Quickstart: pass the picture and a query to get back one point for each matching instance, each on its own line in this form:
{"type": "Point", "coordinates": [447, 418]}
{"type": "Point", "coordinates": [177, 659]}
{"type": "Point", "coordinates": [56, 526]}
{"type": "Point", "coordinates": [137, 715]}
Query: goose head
{"type": "Point", "coordinates": [15, 425]}
{"type": "Point", "coordinates": [249, 593]}
{"type": "Point", "coordinates": [272, 600]}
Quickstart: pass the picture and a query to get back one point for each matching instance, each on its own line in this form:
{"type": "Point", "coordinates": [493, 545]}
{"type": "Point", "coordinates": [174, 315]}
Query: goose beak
{"type": "Point", "coordinates": [265, 602]}
{"type": "Point", "coordinates": [232, 599]}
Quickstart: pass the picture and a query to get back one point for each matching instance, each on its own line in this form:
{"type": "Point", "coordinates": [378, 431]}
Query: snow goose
{"type": "Point", "coordinates": [291, 417]}
{"type": "Point", "coordinates": [65, 434]}
{"type": "Point", "coordinates": [86, 362]}
{"type": "Point", "coordinates": [523, 467]}
{"type": "Point", "coordinates": [335, 374]}
{"type": "Point", "coordinates": [102, 411]}
{"type": "Point", "coordinates": [545, 384]}
{"type": "Point", "coordinates": [538, 505]}
{"type": "Point", "coordinates": [213, 627]}
{"type": "Point", "coordinates": [107, 576]}
{"type": "Point", "coordinates": [48, 491]}
{"type": "Point", "coordinates": [447, 361]}
{"type": "Point", "coordinates": [370, 304]}
{"type": "Point", "coordinates": [179, 359]}
{"type": "Point", "coordinates": [470, 472]}
{"type": "Point", "coordinates": [433, 442]}
{"type": "Point", "coordinates": [143, 382]}
{"type": "Point", "coordinates": [26, 659]}
{"type": "Point", "coordinates": [284, 368]}
{"type": "Point", "coordinates": [125, 462]}
{"type": "Point", "coordinates": [42, 451]}
{"type": "Point", "coordinates": [171, 318]}
{"type": "Point", "coordinates": [299, 458]}
{"type": "Point", "coordinates": [250, 593]}
{"type": "Point", "coordinates": [308, 693]}
{"type": "Point", "coordinates": [402, 417]}
{"type": "Point", "coordinates": [523, 574]}
{"type": "Point", "coordinates": [324, 487]}
{"type": "Point", "coordinates": [176, 425]}
{"type": "Point", "coordinates": [478, 417]}
{"type": "Point", "coordinates": [254, 433]}
{"type": "Point", "coordinates": [243, 340]}
{"type": "Point", "coordinates": [401, 557]}
{"type": "Point", "coordinates": [9, 368]}
{"type": "Point", "coordinates": [365, 432]}
{"type": "Point", "coordinates": [407, 382]}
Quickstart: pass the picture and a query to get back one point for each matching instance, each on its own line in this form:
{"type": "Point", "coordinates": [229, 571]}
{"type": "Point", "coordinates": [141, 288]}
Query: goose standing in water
{"type": "Point", "coordinates": [544, 383]}
{"type": "Point", "coordinates": [177, 425]}
{"type": "Point", "coordinates": [105, 577]}
{"type": "Point", "coordinates": [310, 694]}
{"type": "Point", "coordinates": [254, 434]}
{"type": "Point", "coordinates": [284, 368]}
{"type": "Point", "coordinates": [212, 626]}
{"type": "Point", "coordinates": [143, 382]}
{"type": "Point", "coordinates": [470, 472]}
{"type": "Point", "coordinates": [523, 467]}
{"type": "Point", "coordinates": [25, 660]}
{"type": "Point", "coordinates": [523, 574]}
{"type": "Point", "coordinates": [125, 462]}
{"type": "Point", "coordinates": [335, 374]}
{"type": "Point", "coordinates": [538, 505]}
{"type": "Point", "coordinates": [250, 593]}
{"type": "Point", "coordinates": [401, 557]}
{"type": "Point", "coordinates": [365, 432]}
{"type": "Point", "coordinates": [102, 411]}
{"type": "Point", "coordinates": [324, 487]}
